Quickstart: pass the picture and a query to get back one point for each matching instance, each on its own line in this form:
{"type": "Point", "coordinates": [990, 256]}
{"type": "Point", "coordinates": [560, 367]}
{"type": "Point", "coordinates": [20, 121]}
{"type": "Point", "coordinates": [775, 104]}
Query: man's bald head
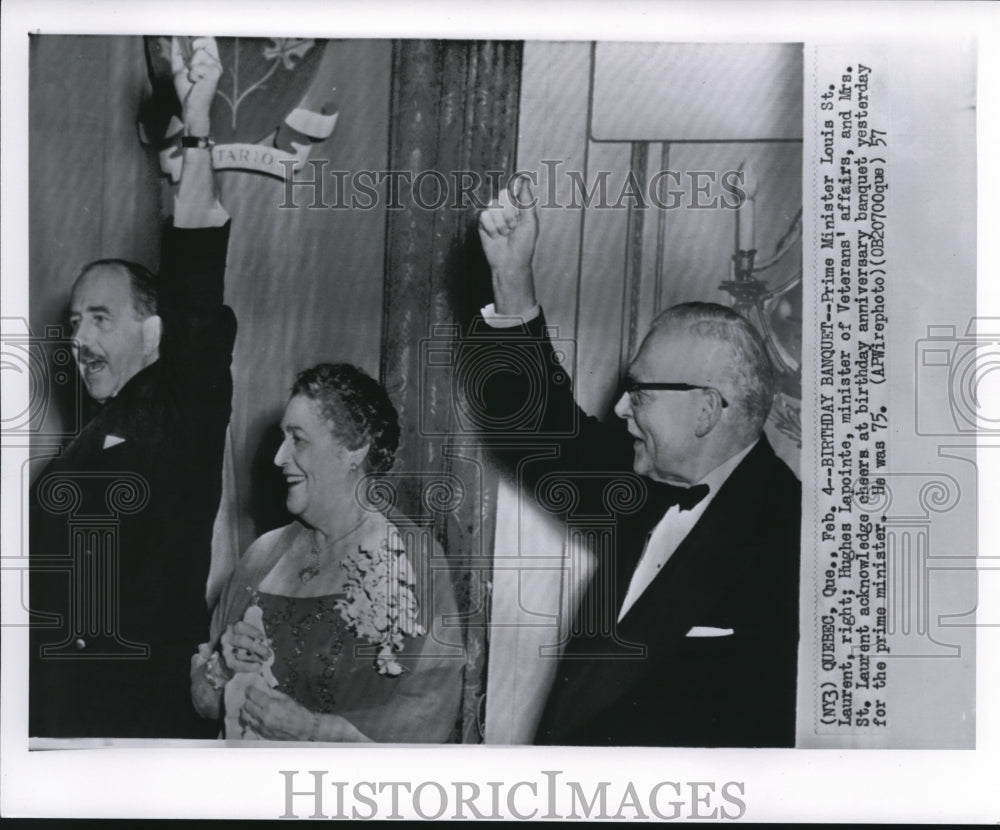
{"type": "Point", "coordinates": [727, 349]}
{"type": "Point", "coordinates": [699, 391]}
{"type": "Point", "coordinates": [142, 283]}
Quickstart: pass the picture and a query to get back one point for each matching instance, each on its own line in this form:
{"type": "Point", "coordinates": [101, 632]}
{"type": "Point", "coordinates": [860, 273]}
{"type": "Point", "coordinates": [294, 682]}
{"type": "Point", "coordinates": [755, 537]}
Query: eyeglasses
{"type": "Point", "coordinates": [632, 386]}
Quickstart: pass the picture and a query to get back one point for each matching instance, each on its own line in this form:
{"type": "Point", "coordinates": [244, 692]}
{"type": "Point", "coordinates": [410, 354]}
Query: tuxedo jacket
{"type": "Point", "coordinates": [121, 525]}
{"type": "Point", "coordinates": [649, 679]}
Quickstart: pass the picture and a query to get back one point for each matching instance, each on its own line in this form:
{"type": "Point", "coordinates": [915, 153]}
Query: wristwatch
{"type": "Point", "coordinates": [197, 142]}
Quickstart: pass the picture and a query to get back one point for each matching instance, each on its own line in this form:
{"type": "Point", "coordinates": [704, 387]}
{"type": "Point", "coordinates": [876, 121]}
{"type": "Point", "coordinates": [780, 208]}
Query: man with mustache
{"type": "Point", "coordinates": [687, 634]}
{"type": "Point", "coordinates": [121, 520]}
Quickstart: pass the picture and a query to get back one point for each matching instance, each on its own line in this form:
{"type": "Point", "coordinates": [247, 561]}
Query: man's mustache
{"type": "Point", "coordinates": [85, 355]}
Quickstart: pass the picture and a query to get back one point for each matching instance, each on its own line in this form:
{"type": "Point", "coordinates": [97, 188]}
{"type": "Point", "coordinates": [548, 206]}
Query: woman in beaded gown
{"type": "Point", "coordinates": [340, 626]}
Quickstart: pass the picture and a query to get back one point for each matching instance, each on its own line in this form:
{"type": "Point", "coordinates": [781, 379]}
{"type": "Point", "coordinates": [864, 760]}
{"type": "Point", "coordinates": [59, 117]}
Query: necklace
{"type": "Point", "coordinates": [311, 569]}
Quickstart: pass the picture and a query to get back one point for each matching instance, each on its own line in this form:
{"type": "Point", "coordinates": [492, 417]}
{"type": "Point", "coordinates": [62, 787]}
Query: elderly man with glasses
{"type": "Point", "coordinates": [688, 632]}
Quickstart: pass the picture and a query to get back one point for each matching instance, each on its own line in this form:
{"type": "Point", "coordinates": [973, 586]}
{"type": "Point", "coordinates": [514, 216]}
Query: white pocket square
{"type": "Point", "coordinates": [112, 441]}
{"type": "Point", "coordinates": [708, 631]}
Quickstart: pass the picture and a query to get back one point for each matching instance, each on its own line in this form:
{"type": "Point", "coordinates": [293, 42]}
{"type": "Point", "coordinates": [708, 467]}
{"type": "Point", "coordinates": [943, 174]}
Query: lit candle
{"type": "Point", "coordinates": [745, 213]}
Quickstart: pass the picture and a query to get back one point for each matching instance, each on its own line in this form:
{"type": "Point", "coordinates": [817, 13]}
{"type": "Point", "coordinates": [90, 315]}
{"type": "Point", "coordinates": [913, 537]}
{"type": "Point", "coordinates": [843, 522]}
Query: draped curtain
{"type": "Point", "coordinates": [454, 110]}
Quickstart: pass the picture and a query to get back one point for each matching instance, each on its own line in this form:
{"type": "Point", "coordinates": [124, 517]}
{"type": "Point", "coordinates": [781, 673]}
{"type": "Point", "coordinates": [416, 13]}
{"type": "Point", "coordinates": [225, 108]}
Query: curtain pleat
{"type": "Point", "coordinates": [453, 110]}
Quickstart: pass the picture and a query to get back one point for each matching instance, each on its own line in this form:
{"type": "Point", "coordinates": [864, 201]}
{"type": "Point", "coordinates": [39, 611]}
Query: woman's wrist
{"type": "Point", "coordinates": [314, 726]}
{"type": "Point", "coordinates": [335, 729]}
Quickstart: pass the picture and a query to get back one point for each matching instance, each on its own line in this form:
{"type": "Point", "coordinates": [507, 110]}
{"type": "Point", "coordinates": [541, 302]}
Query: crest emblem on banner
{"type": "Point", "coordinates": [274, 102]}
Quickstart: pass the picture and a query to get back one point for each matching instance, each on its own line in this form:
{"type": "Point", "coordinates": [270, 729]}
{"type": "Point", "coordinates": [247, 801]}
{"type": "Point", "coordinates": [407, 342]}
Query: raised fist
{"type": "Point", "coordinates": [507, 231]}
{"type": "Point", "coordinates": [196, 68]}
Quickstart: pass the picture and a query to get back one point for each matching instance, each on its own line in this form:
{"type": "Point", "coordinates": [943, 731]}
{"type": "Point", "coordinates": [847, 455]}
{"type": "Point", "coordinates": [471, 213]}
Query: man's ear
{"type": "Point", "coordinates": [709, 414]}
{"type": "Point", "coordinates": [152, 332]}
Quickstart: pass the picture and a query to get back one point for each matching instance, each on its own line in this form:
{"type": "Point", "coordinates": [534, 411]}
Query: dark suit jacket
{"type": "Point", "coordinates": [643, 681]}
{"type": "Point", "coordinates": [121, 525]}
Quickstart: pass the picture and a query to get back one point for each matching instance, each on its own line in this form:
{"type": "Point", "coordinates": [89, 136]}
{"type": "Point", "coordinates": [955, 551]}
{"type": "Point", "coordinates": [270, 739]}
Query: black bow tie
{"type": "Point", "coordinates": [684, 497]}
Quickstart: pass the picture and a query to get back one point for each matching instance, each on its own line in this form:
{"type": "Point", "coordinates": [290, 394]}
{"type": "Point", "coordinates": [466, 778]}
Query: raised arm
{"type": "Point", "coordinates": [196, 70]}
{"type": "Point", "coordinates": [519, 392]}
{"type": "Point", "coordinates": [200, 329]}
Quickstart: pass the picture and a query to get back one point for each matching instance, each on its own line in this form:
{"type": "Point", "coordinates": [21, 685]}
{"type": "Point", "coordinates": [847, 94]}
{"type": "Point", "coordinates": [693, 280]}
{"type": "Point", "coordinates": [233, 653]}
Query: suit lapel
{"type": "Point", "coordinates": [706, 565]}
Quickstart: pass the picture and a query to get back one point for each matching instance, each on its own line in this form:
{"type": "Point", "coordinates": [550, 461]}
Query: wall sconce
{"type": "Point", "coordinates": [774, 312]}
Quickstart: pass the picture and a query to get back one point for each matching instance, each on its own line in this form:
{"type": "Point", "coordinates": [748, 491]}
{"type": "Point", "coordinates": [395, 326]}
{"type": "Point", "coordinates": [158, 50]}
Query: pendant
{"type": "Point", "coordinates": [308, 573]}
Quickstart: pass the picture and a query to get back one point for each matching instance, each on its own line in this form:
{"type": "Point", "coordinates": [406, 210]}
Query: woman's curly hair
{"type": "Point", "coordinates": [358, 409]}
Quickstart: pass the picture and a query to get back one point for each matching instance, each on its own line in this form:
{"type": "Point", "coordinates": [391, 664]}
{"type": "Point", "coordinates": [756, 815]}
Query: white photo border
{"type": "Point", "coordinates": [197, 782]}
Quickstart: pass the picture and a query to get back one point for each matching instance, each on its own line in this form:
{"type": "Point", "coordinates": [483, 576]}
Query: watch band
{"type": "Point", "coordinates": [198, 142]}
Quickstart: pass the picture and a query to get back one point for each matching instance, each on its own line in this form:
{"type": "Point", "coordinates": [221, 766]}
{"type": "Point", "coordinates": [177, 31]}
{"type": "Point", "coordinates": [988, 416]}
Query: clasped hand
{"type": "Point", "coordinates": [244, 647]}
{"type": "Point", "coordinates": [276, 717]}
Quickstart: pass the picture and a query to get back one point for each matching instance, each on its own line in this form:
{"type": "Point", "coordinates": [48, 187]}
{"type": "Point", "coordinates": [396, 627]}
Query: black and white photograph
{"type": "Point", "coordinates": [459, 420]}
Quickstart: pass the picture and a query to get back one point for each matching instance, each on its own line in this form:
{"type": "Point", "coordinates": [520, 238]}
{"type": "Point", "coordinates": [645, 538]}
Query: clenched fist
{"type": "Point", "coordinates": [196, 68]}
{"type": "Point", "coordinates": [508, 231]}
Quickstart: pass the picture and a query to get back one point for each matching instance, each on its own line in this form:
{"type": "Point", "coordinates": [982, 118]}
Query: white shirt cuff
{"type": "Point", "coordinates": [199, 216]}
{"type": "Point", "coordinates": [503, 321]}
